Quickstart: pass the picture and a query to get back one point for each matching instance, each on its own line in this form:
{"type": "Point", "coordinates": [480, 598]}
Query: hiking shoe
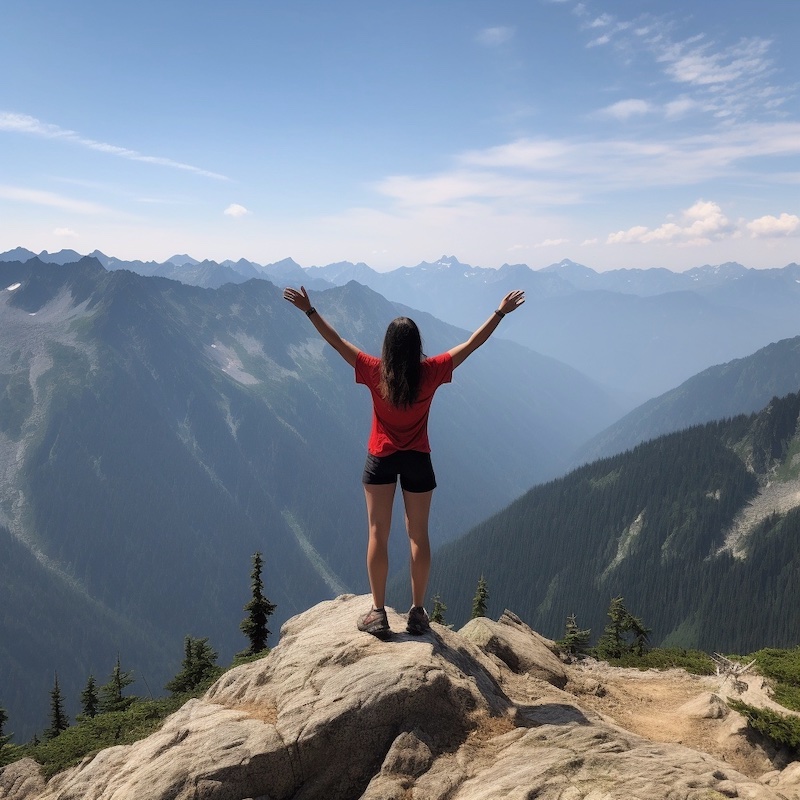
{"type": "Point", "coordinates": [375, 622]}
{"type": "Point", "coordinates": [418, 622]}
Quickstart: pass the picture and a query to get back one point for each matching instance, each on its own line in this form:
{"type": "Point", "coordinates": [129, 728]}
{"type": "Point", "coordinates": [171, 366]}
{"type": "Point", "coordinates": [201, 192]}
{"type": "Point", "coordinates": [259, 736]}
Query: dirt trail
{"type": "Point", "coordinates": [650, 704]}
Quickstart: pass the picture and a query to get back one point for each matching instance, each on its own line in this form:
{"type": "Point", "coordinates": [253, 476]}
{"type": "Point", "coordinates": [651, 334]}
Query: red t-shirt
{"type": "Point", "coordinates": [393, 428]}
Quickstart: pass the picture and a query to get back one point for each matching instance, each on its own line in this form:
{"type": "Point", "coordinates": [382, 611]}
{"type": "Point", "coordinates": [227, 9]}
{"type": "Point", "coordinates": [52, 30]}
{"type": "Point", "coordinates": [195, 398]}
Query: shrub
{"type": "Point", "coordinates": [783, 730]}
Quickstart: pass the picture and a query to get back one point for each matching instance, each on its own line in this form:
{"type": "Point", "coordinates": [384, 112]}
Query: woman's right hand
{"type": "Point", "coordinates": [297, 299]}
{"type": "Point", "coordinates": [512, 301]}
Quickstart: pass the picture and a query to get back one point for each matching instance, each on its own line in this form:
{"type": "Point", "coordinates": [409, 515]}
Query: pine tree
{"type": "Point", "coordinates": [58, 718]}
{"type": "Point", "coordinates": [437, 615]}
{"type": "Point", "coordinates": [575, 641]}
{"type": "Point", "coordinates": [640, 633]}
{"type": "Point", "coordinates": [90, 702]}
{"type": "Point", "coordinates": [5, 738]}
{"type": "Point", "coordinates": [613, 644]}
{"type": "Point", "coordinates": [259, 610]}
{"type": "Point", "coordinates": [111, 697]}
{"type": "Point", "coordinates": [479, 601]}
{"type": "Point", "coordinates": [199, 665]}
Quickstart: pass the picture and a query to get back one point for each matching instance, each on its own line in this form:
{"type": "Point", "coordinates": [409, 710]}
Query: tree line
{"type": "Point", "coordinates": [199, 668]}
{"type": "Point", "coordinates": [625, 634]}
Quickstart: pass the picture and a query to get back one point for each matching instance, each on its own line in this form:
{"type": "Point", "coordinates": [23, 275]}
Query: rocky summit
{"type": "Point", "coordinates": [486, 712]}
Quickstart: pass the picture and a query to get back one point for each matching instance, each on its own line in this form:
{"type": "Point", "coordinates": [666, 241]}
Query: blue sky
{"type": "Point", "coordinates": [631, 133]}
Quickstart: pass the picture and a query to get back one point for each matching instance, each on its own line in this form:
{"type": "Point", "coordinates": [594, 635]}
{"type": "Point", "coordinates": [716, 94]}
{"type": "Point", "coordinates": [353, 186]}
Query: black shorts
{"type": "Point", "coordinates": [414, 468]}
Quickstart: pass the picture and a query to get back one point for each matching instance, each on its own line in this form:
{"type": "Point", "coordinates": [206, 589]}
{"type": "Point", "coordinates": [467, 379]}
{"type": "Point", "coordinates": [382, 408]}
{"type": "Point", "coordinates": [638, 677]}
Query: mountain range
{"type": "Point", "coordinates": [154, 435]}
{"type": "Point", "coordinates": [683, 322]}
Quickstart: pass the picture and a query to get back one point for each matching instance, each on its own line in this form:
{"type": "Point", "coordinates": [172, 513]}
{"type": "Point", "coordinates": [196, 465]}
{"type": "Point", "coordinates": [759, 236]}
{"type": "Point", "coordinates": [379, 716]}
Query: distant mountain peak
{"type": "Point", "coordinates": [61, 257]}
{"type": "Point", "coordinates": [182, 260]}
{"type": "Point", "coordinates": [17, 254]}
{"type": "Point", "coordinates": [567, 263]}
{"type": "Point", "coordinates": [449, 261]}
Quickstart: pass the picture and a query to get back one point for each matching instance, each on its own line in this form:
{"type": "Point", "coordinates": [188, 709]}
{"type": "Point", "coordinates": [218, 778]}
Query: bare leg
{"type": "Point", "coordinates": [418, 509]}
{"type": "Point", "coordinates": [379, 519]}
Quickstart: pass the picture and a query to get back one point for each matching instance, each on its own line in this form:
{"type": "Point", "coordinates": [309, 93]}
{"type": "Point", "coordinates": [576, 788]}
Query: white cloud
{"type": "Point", "coordinates": [22, 123]}
{"type": "Point", "coordinates": [65, 232]}
{"type": "Point", "coordinates": [235, 210]}
{"type": "Point", "coordinates": [552, 243]}
{"type": "Point", "coordinates": [700, 225]}
{"type": "Point", "coordinates": [492, 37]}
{"type": "Point", "coordinates": [625, 109]}
{"type": "Point", "coordinates": [769, 226]}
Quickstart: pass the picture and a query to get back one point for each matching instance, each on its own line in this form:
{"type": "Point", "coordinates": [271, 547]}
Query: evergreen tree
{"type": "Point", "coordinates": [111, 697]}
{"type": "Point", "coordinates": [90, 702]}
{"type": "Point", "coordinates": [640, 633]}
{"type": "Point", "coordinates": [575, 641]}
{"type": "Point", "coordinates": [479, 601]}
{"type": "Point", "coordinates": [5, 738]}
{"type": "Point", "coordinates": [259, 610]}
{"type": "Point", "coordinates": [437, 615]}
{"type": "Point", "coordinates": [199, 665]}
{"type": "Point", "coordinates": [58, 717]}
{"type": "Point", "coordinates": [613, 643]}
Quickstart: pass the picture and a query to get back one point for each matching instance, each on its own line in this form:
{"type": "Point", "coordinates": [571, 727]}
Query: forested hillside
{"type": "Point", "coordinates": [741, 386]}
{"type": "Point", "coordinates": [683, 527]}
{"type": "Point", "coordinates": [154, 435]}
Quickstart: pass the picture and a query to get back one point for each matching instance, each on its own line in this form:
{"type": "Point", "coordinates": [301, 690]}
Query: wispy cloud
{"type": "Point", "coordinates": [540, 174]}
{"type": "Point", "coordinates": [459, 186]}
{"type": "Point", "coordinates": [24, 124]}
{"type": "Point", "coordinates": [625, 109]}
{"type": "Point", "coordinates": [730, 81]}
{"type": "Point", "coordinates": [40, 198]}
{"type": "Point", "coordinates": [492, 37]}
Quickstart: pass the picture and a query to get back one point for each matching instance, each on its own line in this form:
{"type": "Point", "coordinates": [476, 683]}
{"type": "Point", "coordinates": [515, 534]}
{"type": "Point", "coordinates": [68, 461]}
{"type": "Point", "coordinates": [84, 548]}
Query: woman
{"type": "Point", "coordinates": [402, 383]}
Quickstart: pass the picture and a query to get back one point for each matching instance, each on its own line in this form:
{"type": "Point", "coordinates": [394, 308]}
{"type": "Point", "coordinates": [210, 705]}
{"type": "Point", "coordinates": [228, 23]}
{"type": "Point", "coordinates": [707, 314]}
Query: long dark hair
{"type": "Point", "coordinates": [400, 363]}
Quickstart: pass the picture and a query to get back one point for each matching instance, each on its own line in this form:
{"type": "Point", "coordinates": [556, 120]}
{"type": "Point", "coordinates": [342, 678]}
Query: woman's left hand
{"type": "Point", "coordinates": [298, 299]}
{"type": "Point", "coordinates": [512, 301]}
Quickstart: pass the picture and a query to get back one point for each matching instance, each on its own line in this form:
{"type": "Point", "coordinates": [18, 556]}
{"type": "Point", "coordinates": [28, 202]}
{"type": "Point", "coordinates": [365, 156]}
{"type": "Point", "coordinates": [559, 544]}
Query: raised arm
{"type": "Point", "coordinates": [299, 299]}
{"type": "Point", "coordinates": [511, 302]}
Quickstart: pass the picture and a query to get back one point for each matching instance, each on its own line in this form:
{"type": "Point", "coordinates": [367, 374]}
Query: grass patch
{"type": "Point", "coordinates": [783, 668]}
{"type": "Point", "coordinates": [90, 735]}
{"type": "Point", "coordinates": [694, 661]}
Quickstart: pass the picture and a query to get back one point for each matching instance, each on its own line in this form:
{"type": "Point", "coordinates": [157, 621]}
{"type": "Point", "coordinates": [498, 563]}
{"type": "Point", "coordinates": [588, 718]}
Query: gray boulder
{"type": "Point", "coordinates": [521, 649]}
